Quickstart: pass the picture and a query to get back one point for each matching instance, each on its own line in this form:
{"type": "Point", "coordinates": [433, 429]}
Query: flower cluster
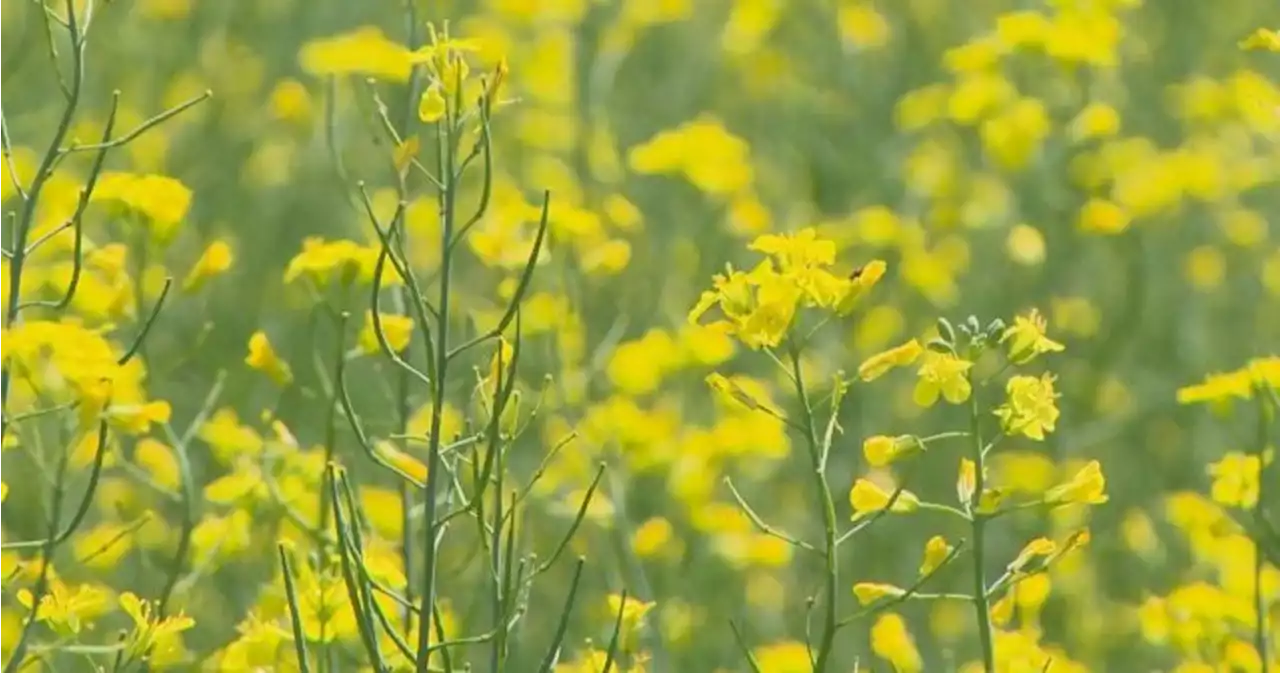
{"type": "Point", "coordinates": [946, 372]}
{"type": "Point", "coordinates": [759, 306]}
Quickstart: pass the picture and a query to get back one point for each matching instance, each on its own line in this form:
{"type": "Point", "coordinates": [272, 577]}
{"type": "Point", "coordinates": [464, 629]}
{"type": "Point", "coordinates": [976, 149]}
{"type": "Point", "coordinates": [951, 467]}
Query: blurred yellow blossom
{"type": "Point", "coordinates": [891, 641]}
{"type": "Point", "coordinates": [1235, 479]}
{"type": "Point", "coordinates": [262, 357]}
{"type": "Point", "coordinates": [362, 51]}
{"type": "Point", "coordinates": [397, 329]}
{"type": "Point", "coordinates": [1088, 486]}
{"type": "Point", "coordinates": [215, 260]}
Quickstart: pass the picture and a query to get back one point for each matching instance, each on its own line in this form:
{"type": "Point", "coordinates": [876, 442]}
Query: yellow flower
{"type": "Point", "coordinates": [290, 101]}
{"type": "Point", "coordinates": [1025, 245]}
{"type": "Point", "coordinates": [256, 646]}
{"type": "Point", "coordinates": [942, 373]}
{"type": "Point", "coordinates": [785, 657]}
{"type": "Point", "coordinates": [899, 356]}
{"type": "Point", "coordinates": [637, 366]}
{"type": "Point", "coordinates": [1013, 136]}
{"type": "Point", "coordinates": [321, 261]}
{"type": "Point", "coordinates": [1041, 552]}
{"type": "Point", "coordinates": [323, 605]}
{"type": "Point", "coordinates": [263, 358]}
{"type": "Point", "coordinates": [861, 26]}
{"type": "Point", "coordinates": [1039, 548]}
{"type": "Point", "coordinates": [152, 634]}
{"type": "Point", "coordinates": [1026, 472]}
{"type": "Point", "coordinates": [1027, 338]}
{"type": "Point", "coordinates": [936, 550]}
{"type": "Point", "coordinates": [363, 51]}
{"type": "Point", "coordinates": [797, 251]}
{"type": "Point", "coordinates": [891, 641]}
{"type": "Point", "coordinates": [101, 547]}
{"type": "Point", "coordinates": [861, 282]}
{"type": "Point", "coordinates": [444, 52]}
{"type": "Point", "coordinates": [652, 537]}
{"type": "Point", "coordinates": [703, 151]}
{"type": "Point", "coordinates": [1030, 408]}
{"type": "Point", "coordinates": [880, 450]}
{"type": "Point", "coordinates": [758, 306]}
{"type": "Point", "coordinates": [966, 482]}
{"type": "Point", "coordinates": [163, 200]}
{"type": "Point", "coordinates": [215, 260]}
{"type": "Point", "coordinates": [404, 462]}
{"type": "Point", "coordinates": [767, 324]}
{"type": "Point", "coordinates": [870, 592]}
{"type": "Point", "coordinates": [228, 438]}
{"type": "Point", "coordinates": [137, 418]}
{"type": "Point", "coordinates": [243, 486]}
{"type": "Point", "coordinates": [432, 107]}
{"type": "Point", "coordinates": [1262, 39]}
{"type": "Point", "coordinates": [1103, 217]}
{"type": "Point", "coordinates": [1217, 388]}
{"type": "Point", "coordinates": [1087, 487]}
{"type": "Point", "coordinates": [94, 399]}
{"type": "Point", "coordinates": [398, 329]}
{"type": "Point", "coordinates": [1096, 120]}
{"type": "Point", "coordinates": [158, 460]}
{"type": "Point", "coordinates": [632, 613]}
{"type": "Point", "coordinates": [866, 498]}
{"type": "Point", "coordinates": [735, 390]}
{"type": "Point", "coordinates": [64, 609]}
{"type": "Point", "coordinates": [1002, 610]}
{"type": "Point", "coordinates": [1235, 479]}
{"type": "Point", "coordinates": [500, 366]}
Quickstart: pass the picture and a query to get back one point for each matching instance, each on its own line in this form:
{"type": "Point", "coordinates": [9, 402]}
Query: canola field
{"type": "Point", "coordinates": [641, 336]}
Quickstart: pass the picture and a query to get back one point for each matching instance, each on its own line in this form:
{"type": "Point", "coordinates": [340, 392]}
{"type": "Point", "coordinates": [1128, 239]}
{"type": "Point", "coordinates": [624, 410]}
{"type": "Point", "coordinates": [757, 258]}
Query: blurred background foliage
{"type": "Point", "coordinates": [1112, 162]}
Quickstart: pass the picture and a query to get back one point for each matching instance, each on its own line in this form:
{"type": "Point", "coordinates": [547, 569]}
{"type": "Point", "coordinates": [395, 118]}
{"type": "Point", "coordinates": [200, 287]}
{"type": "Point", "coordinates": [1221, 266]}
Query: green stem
{"type": "Point", "coordinates": [186, 490]}
{"type": "Point", "coordinates": [23, 227]}
{"type": "Point", "coordinates": [445, 159]}
{"type": "Point", "coordinates": [981, 607]}
{"type": "Point", "coordinates": [827, 503]}
{"type": "Point", "coordinates": [500, 562]}
{"type": "Point", "coordinates": [331, 420]}
{"type": "Point", "coordinates": [54, 540]}
{"type": "Point", "coordinates": [405, 298]}
{"type": "Point", "coordinates": [295, 618]}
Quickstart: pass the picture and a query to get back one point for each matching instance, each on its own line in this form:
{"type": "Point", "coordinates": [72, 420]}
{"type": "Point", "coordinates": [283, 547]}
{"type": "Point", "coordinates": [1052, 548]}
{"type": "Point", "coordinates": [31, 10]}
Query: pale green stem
{"type": "Point", "coordinates": [830, 542]}
{"type": "Point", "coordinates": [981, 606]}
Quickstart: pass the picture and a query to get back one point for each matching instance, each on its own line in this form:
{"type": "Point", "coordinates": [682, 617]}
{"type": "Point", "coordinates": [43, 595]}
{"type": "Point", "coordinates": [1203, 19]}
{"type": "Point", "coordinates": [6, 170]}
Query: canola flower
{"type": "Point", "coordinates": [760, 305]}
